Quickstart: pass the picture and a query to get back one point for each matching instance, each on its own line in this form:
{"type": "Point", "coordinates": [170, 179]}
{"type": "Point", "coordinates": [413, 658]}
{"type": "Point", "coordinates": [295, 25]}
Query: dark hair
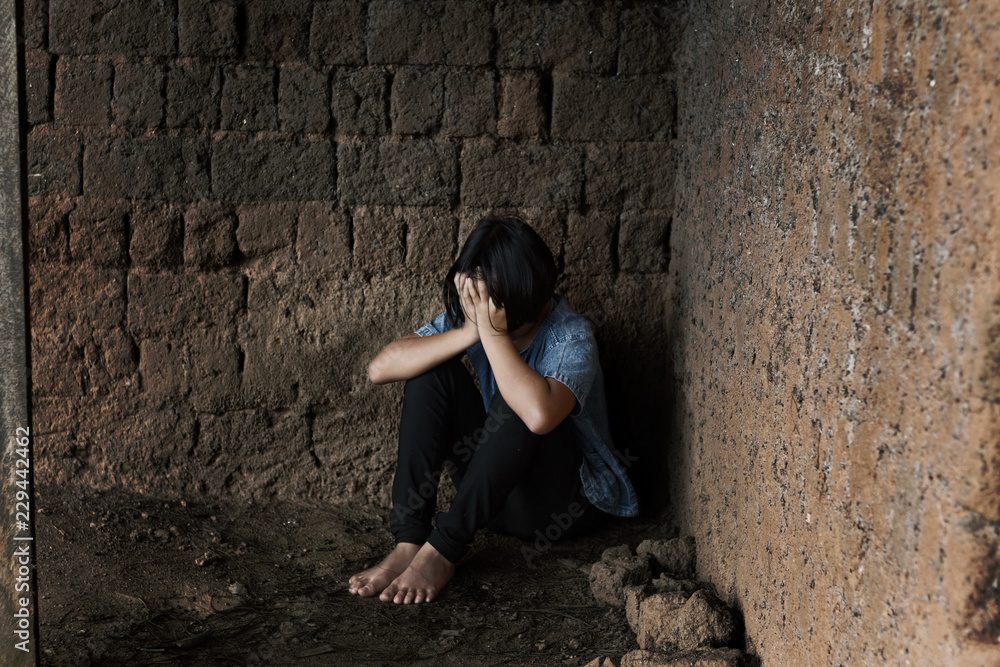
{"type": "Point", "coordinates": [518, 267]}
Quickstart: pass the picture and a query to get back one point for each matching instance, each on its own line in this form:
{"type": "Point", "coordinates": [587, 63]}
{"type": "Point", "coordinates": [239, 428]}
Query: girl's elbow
{"type": "Point", "coordinates": [540, 423]}
{"type": "Point", "coordinates": [376, 372]}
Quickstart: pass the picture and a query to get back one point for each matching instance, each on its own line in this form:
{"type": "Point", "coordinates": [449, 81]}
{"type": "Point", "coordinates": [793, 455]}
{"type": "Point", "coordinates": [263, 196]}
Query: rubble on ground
{"type": "Point", "coordinates": [678, 621]}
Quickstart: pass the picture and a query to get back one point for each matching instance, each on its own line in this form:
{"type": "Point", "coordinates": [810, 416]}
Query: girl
{"type": "Point", "coordinates": [530, 452]}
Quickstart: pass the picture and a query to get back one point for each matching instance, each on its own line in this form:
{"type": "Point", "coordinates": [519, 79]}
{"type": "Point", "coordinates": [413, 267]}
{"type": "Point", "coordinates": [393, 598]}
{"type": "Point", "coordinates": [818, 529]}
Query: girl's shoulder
{"type": "Point", "coordinates": [566, 323]}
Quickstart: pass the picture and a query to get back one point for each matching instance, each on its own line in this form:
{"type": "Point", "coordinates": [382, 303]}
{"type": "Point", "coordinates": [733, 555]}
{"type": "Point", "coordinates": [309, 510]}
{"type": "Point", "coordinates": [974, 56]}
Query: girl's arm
{"type": "Point", "coordinates": [407, 357]}
{"type": "Point", "coordinates": [411, 355]}
{"type": "Point", "coordinates": [541, 403]}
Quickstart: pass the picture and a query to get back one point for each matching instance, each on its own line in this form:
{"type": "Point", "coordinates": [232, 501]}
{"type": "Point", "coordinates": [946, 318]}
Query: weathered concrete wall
{"type": "Point", "coordinates": [235, 204]}
{"type": "Point", "coordinates": [835, 343]}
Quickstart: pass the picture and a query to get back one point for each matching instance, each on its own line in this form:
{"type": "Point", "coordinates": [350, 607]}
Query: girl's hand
{"type": "Point", "coordinates": [469, 326]}
{"type": "Point", "coordinates": [492, 321]}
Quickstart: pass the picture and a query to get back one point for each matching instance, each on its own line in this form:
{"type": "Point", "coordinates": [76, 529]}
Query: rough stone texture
{"type": "Point", "coordinates": [157, 237]}
{"type": "Point", "coordinates": [712, 657]}
{"type": "Point", "coordinates": [98, 232]}
{"type": "Point", "coordinates": [249, 103]}
{"type": "Point", "coordinates": [510, 175]}
{"type": "Point", "coordinates": [412, 173]}
{"type": "Point", "coordinates": [83, 92]}
{"type": "Point", "coordinates": [358, 102]}
{"type": "Point", "coordinates": [209, 235]}
{"type": "Point", "coordinates": [247, 170]}
{"type": "Point", "coordinates": [618, 568]}
{"type": "Point", "coordinates": [138, 95]}
{"type": "Point", "coordinates": [469, 107]}
{"type": "Point", "coordinates": [680, 621]}
{"type": "Point", "coordinates": [613, 109]}
{"type": "Point", "coordinates": [207, 28]}
{"type": "Point", "coordinates": [53, 164]}
{"type": "Point", "coordinates": [278, 29]}
{"type": "Point", "coordinates": [561, 36]}
{"type": "Point", "coordinates": [521, 110]}
{"type": "Point", "coordinates": [835, 254]}
{"type": "Point", "coordinates": [303, 100]}
{"type": "Point", "coordinates": [428, 33]}
{"type": "Point", "coordinates": [112, 26]}
{"type": "Point", "coordinates": [38, 86]}
{"type": "Point", "coordinates": [674, 557]}
{"type": "Point", "coordinates": [338, 33]}
{"type": "Point", "coordinates": [417, 100]}
{"type": "Point", "coordinates": [193, 93]}
{"type": "Point", "coordinates": [146, 168]}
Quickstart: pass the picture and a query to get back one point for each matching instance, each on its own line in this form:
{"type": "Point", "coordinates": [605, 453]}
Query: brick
{"type": "Point", "coordinates": [278, 30]}
{"type": "Point", "coordinates": [358, 102]}
{"type": "Point", "coordinates": [415, 173]}
{"type": "Point", "coordinates": [112, 26]}
{"type": "Point", "coordinates": [430, 33]}
{"type": "Point", "coordinates": [53, 165]}
{"type": "Point", "coordinates": [83, 92]}
{"type": "Point", "coordinates": [470, 107]}
{"type": "Point", "coordinates": [277, 170]}
{"type": "Point", "coordinates": [193, 93]}
{"type": "Point", "coordinates": [98, 233]}
{"type": "Point", "coordinates": [644, 241]}
{"type": "Point", "coordinates": [63, 297]}
{"type": "Point", "coordinates": [38, 84]}
{"type": "Point", "coordinates": [417, 100]}
{"type": "Point", "coordinates": [209, 236]}
{"type": "Point", "coordinates": [338, 33]}
{"type": "Point", "coordinates": [57, 364]}
{"type": "Point", "coordinates": [549, 176]}
{"type": "Point", "coordinates": [112, 359]}
{"type": "Point", "coordinates": [521, 111]}
{"type": "Point", "coordinates": [379, 239]}
{"type": "Point", "coordinates": [303, 100]}
{"type": "Point", "coordinates": [208, 28]}
{"type": "Point", "coordinates": [36, 17]}
{"type": "Point", "coordinates": [264, 228]}
{"type": "Point", "coordinates": [162, 364]}
{"type": "Point", "coordinates": [157, 236]}
{"type": "Point", "coordinates": [160, 168]}
{"type": "Point", "coordinates": [430, 240]}
{"type": "Point", "coordinates": [270, 375]}
{"type": "Point", "coordinates": [48, 229]}
{"type": "Point", "coordinates": [273, 299]}
{"type": "Point", "coordinates": [248, 99]}
{"type": "Point", "coordinates": [638, 108]}
{"type": "Point", "coordinates": [589, 242]}
{"type": "Point", "coordinates": [169, 304]}
{"type": "Point", "coordinates": [650, 36]}
{"type": "Point", "coordinates": [138, 100]}
{"type": "Point", "coordinates": [323, 241]}
{"type": "Point", "coordinates": [630, 176]}
{"type": "Point", "coordinates": [215, 370]}
{"type": "Point", "coordinates": [562, 37]}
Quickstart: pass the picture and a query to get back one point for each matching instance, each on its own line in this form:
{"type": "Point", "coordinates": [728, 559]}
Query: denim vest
{"type": "Point", "coordinates": [564, 349]}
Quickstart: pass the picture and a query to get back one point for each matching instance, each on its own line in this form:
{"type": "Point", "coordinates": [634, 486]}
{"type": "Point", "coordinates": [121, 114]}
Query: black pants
{"type": "Point", "coordinates": [508, 479]}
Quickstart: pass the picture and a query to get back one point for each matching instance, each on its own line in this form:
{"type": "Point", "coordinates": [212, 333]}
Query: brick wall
{"type": "Point", "coordinates": [837, 327]}
{"type": "Point", "coordinates": [233, 205]}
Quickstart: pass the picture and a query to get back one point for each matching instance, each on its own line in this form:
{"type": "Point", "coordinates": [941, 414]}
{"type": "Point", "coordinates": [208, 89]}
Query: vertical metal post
{"type": "Point", "coordinates": [18, 608]}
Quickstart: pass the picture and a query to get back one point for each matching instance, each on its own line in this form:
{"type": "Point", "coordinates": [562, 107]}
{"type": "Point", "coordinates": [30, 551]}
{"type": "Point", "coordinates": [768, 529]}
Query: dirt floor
{"type": "Point", "coordinates": [128, 580]}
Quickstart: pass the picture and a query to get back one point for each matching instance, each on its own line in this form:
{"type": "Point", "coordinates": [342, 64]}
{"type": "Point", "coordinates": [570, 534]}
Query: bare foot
{"type": "Point", "coordinates": [422, 580]}
{"type": "Point", "coordinates": [374, 580]}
